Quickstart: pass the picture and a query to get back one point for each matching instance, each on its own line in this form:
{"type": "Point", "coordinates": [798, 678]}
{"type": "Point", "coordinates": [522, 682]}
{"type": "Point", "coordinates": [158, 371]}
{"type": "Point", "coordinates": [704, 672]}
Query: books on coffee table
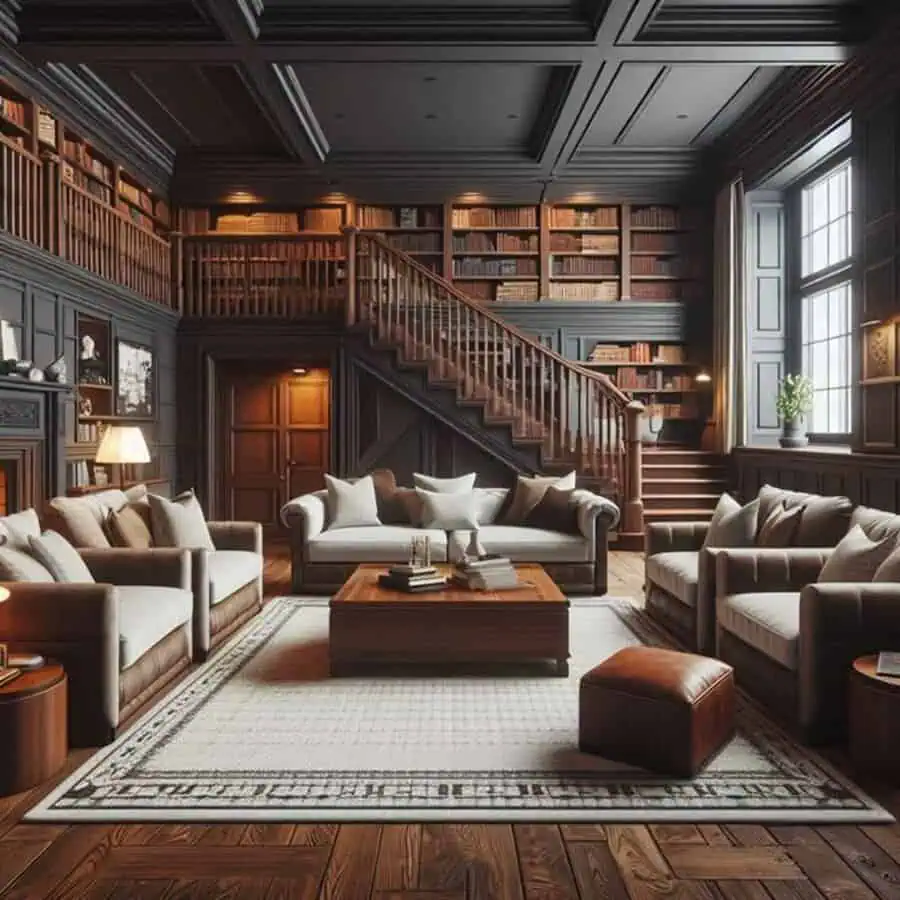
{"type": "Point", "coordinates": [888, 664]}
{"type": "Point", "coordinates": [412, 579]}
{"type": "Point", "coordinates": [489, 573]}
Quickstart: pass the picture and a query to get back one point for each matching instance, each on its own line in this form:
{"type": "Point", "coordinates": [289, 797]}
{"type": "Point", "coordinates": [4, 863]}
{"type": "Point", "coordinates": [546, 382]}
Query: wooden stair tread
{"type": "Point", "coordinates": [681, 496]}
{"type": "Point", "coordinates": [679, 480]}
{"type": "Point", "coordinates": [675, 513]}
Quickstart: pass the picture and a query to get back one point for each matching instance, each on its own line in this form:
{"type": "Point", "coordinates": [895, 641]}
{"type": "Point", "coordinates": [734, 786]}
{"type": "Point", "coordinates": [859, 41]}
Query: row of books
{"type": "Point", "coordinates": [639, 352]}
{"type": "Point", "coordinates": [489, 573]}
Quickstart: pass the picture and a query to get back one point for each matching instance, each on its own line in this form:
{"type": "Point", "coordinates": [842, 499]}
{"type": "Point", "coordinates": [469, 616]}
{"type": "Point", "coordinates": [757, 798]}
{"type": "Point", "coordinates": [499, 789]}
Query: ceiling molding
{"type": "Point", "coordinates": [9, 29]}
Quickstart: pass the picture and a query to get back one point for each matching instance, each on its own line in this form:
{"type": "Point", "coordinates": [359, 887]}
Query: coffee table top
{"type": "Point", "coordinates": [362, 588]}
{"type": "Point", "coordinates": [866, 665]}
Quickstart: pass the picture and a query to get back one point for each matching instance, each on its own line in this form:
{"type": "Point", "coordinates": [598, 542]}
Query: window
{"type": "Point", "coordinates": [826, 297]}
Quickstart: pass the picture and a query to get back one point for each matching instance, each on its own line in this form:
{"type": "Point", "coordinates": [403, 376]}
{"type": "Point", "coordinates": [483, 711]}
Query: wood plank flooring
{"type": "Point", "coordinates": [447, 861]}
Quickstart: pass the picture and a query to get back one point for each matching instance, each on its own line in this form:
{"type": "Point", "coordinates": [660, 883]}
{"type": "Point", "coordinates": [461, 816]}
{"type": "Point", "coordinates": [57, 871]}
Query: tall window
{"type": "Point", "coordinates": [826, 295]}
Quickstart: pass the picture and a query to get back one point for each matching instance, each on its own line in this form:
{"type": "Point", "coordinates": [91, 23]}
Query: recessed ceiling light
{"type": "Point", "coordinates": [430, 78]}
{"type": "Point", "coordinates": [512, 116]}
{"type": "Point", "coordinates": [430, 116]}
{"type": "Point", "coordinates": [681, 116]}
{"type": "Point", "coordinates": [339, 115]}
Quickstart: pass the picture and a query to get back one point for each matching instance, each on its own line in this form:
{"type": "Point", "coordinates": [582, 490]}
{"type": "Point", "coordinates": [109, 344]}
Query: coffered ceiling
{"type": "Point", "coordinates": [403, 99]}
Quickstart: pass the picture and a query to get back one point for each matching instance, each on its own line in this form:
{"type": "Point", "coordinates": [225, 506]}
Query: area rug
{"type": "Point", "coordinates": [261, 732]}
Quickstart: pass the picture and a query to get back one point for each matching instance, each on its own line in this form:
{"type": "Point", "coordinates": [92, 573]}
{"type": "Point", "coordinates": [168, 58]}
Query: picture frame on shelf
{"type": "Point", "coordinates": [135, 380]}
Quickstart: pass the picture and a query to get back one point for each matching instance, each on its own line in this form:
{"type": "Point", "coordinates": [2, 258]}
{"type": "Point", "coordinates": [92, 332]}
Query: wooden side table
{"type": "Point", "coordinates": [875, 720]}
{"type": "Point", "coordinates": [33, 733]}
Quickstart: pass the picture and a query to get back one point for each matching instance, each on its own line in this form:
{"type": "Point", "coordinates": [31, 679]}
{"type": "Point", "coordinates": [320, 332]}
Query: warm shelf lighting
{"type": "Point", "coordinates": [299, 370]}
{"type": "Point", "coordinates": [242, 197]}
{"type": "Point", "coordinates": [703, 377]}
{"type": "Point", "coordinates": [471, 197]}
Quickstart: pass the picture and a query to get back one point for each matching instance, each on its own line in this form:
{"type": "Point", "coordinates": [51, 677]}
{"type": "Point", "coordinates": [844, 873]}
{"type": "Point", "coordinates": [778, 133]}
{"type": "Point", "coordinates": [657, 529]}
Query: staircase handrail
{"type": "Point", "coordinates": [621, 398]}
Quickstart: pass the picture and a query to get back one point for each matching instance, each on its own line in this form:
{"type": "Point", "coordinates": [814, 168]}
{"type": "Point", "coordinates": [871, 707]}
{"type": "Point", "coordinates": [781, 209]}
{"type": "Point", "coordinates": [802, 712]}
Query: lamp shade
{"type": "Point", "coordinates": [4, 594]}
{"type": "Point", "coordinates": [123, 444]}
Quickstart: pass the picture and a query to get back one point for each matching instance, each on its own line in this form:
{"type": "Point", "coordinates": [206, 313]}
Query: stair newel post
{"type": "Point", "coordinates": [350, 310]}
{"type": "Point", "coordinates": [633, 506]}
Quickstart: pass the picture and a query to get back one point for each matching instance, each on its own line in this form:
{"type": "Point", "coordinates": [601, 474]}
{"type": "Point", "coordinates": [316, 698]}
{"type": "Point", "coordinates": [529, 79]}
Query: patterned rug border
{"type": "Point", "coordinates": [818, 791]}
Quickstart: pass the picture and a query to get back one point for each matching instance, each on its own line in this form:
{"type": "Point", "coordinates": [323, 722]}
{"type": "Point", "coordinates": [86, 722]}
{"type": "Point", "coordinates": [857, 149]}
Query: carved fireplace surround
{"type": "Point", "coordinates": [32, 442]}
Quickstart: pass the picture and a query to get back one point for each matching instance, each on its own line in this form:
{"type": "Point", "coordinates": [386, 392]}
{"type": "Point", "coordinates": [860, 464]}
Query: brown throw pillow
{"type": "Point", "coordinates": [391, 508]}
{"type": "Point", "coordinates": [130, 526]}
{"type": "Point", "coordinates": [526, 495]}
{"type": "Point", "coordinates": [554, 512]}
{"type": "Point", "coordinates": [824, 522]}
{"type": "Point", "coordinates": [780, 527]}
{"type": "Point", "coordinates": [413, 506]}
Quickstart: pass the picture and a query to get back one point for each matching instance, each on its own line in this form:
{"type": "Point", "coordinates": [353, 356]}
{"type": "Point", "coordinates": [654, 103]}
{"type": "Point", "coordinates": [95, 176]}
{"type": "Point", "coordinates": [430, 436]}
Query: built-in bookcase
{"type": "Point", "coordinates": [416, 230]}
{"type": "Point", "coordinates": [585, 250]}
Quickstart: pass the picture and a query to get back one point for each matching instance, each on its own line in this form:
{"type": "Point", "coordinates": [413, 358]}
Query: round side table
{"type": "Point", "coordinates": [874, 716]}
{"type": "Point", "coordinates": [33, 735]}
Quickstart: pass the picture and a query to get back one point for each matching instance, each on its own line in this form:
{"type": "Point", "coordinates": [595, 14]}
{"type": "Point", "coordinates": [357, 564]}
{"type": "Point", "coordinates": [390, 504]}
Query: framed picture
{"type": "Point", "coordinates": [135, 380]}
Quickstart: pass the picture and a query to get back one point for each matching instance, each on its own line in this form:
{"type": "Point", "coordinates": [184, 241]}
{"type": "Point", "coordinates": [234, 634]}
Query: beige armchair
{"type": "Point", "coordinates": [792, 641]}
{"type": "Point", "coordinates": [121, 640]}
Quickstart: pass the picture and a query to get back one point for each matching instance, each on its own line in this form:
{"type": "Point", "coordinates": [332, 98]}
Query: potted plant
{"type": "Point", "coordinates": [794, 401]}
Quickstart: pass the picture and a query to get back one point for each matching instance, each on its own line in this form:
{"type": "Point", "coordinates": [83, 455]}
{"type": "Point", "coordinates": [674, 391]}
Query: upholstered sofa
{"type": "Point", "coordinates": [680, 581]}
{"type": "Point", "coordinates": [121, 639]}
{"type": "Point", "coordinates": [791, 640]}
{"type": "Point", "coordinates": [227, 582]}
{"type": "Point", "coordinates": [322, 559]}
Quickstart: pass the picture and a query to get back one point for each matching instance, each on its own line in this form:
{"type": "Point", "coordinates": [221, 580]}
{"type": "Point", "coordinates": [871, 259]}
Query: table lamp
{"type": "Point", "coordinates": [122, 445]}
{"type": "Point", "coordinates": [4, 657]}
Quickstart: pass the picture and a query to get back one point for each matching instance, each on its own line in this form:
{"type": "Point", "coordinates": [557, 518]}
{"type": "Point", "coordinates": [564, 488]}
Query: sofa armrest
{"type": "Point", "coordinates": [306, 514]}
{"type": "Point", "coordinates": [838, 622]}
{"type": "Point", "coordinates": [237, 536]}
{"type": "Point", "coordinates": [157, 566]}
{"type": "Point", "coordinates": [78, 625]}
{"type": "Point", "coordinates": [670, 537]}
{"type": "Point", "coordinates": [754, 570]}
{"type": "Point", "coordinates": [594, 511]}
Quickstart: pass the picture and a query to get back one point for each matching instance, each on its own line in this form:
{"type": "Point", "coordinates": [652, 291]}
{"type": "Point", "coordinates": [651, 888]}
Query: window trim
{"type": "Point", "coordinates": [823, 280]}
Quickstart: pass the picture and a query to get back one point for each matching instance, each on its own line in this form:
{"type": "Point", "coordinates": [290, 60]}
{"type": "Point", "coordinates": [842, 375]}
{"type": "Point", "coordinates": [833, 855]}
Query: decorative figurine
{"type": "Point", "coordinates": [57, 371]}
{"type": "Point", "coordinates": [475, 550]}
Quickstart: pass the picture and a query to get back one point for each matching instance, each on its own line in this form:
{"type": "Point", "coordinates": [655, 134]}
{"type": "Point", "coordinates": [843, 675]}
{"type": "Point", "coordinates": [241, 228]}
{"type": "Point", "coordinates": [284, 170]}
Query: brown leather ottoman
{"type": "Point", "coordinates": [666, 711]}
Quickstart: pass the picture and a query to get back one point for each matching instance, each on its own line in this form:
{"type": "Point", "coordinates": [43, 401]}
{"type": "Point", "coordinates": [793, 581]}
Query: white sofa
{"type": "Point", "coordinates": [322, 559]}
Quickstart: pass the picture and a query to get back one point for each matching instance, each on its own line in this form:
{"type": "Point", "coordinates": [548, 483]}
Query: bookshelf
{"type": "Point", "coordinates": [416, 230]}
{"type": "Point", "coordinates": [24, 122]}
{"type": "Point", "coordinates": [659, 253]}
{"type": "Point", "coordinates": [584, 258]}
{"type": "Point", "coordinates": [88, 169]}
{"type": "Point", "coordinates": [141, 206]}
{"type": "Point", "coordinates": [495, 251]}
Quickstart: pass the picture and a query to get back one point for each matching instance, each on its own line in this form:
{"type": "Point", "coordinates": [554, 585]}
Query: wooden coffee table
{"type": "Point", "coordinates": [875, 720]}
{"type": "Point", "coordinates": [370, 624]}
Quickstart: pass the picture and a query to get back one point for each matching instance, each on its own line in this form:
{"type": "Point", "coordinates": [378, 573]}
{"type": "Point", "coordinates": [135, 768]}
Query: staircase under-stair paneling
{"type": "Point", "coordinates": [680, 484]}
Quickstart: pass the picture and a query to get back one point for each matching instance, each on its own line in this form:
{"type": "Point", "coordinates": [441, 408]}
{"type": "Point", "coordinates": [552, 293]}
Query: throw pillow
{"type": "Point", "coordinates": [490, 500]}
{"type": "Point", "coordinates": [17, 565]}
{"type": "Point", "coordinates": [444, 485]}
{"type": "Point", "coordinates": [856, 558]}
{"type": "Point", "coordinates": [555, 511]}
{"type": "Point", "coordinates": [179, 522]}
{"type": "Point", "coordinates": [824, 522]}
{"type": "Point", "coordinates": [780, 528]}
{"type": "Point", "coordinates": [889, 570]}
{"type": "Point", "coordinates": [351, 505]}
{"type": "Point", "coordinates": [130, 526]}
{"type": "Point", "coordinates": [15, 529]}
{"type": "Point", "coordinates": [63, 561]}
{"type": "Point", "coordinates": [526, 495]}
{"type": "Point", "coordinates": [412, 504]}
{"type": "Point", "coordinates": [391, 509]}
{"type": "Point", "coordinates": [732, 525]}
{"type": "Point", "coordinates": [449, 512]}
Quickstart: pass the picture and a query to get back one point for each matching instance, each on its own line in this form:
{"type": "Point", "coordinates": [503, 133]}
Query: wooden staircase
{"type": "Point", "coordinates": [680, 484]}
{"type": "Point", "coordinates": [563, 415]}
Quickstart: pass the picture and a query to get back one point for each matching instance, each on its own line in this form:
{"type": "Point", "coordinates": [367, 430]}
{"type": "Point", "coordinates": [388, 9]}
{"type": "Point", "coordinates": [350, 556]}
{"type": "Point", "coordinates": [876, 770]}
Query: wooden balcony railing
{"type": "Point", "coordinates": [58, 216]}
{"type": "Point", "coordinates": [283, 275]}
{"type": "Point", "coordinates": [22, 208]}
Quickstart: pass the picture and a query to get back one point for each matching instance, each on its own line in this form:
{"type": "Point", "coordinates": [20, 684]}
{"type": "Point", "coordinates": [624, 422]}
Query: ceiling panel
{"type": "Point", "coordinates": [419, 107]}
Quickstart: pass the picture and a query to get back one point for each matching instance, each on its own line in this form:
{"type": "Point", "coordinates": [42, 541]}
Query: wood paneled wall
{"type": "Point", "coordinates": [41, 297]}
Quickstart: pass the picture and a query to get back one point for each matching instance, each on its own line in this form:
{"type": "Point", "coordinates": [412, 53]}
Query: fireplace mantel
{"type": "Point", "coordinates": [32, 438]}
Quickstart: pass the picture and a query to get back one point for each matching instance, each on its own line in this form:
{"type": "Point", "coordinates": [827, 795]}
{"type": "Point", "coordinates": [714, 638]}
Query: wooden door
{"type": "Point", "coordinates": [276, 441]}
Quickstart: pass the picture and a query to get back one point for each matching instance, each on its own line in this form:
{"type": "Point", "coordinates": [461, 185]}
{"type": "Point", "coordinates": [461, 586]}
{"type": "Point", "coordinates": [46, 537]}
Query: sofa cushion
{"type": "Point", "coordinates": [526, 495]}
{"type": "Point", "coordinates": [824, 522]}
{"type": "Point", "coordinates": [490, 501]}
{"type": "Point", "coordinates": [556, 511]}
{"type": "Point", "coordinates": [146, 616]}
{"type": "Point", "coordinates": [351, 504]}
{"type": "Point", "coordinates": [391, 510]}
{"type": "Point", "coordinates": [521, 544]}
{"type": "Point", "coordinates": [856, 558]}
{"type": "Point", "coordinates": [449, 511]}
{"type": "Point", "coordinates": [780, 528]}
{"type": "Point", "coordinates": [15, 529]}
{"type": "Point", "coordinates": [444, 485]}
{"type": "Point", "coordinates": [732, 525]}
{"type": "Point", "coordinates": [230, 570]}
{"type": "Point", "coordinates": [179, 522]}
{"type": "Point", "coordinates": [876, 523]}
{"type": "Point", "coordinates": [81, 519]}
{"type": "Point", "coordinates": [131, 526]}
{"type": "Point", "coordinates": [52, 550]}
{"type": "Point", "coordinates": [17, 565]}
{"type": "Point", "coordinates": [676, 572]}
{"type": "Point", "coordinates": [372, 543]}
{"type": "Point", "coordinates": [772, 497]}
{"type": "Point", "coordinates": [770, 623]}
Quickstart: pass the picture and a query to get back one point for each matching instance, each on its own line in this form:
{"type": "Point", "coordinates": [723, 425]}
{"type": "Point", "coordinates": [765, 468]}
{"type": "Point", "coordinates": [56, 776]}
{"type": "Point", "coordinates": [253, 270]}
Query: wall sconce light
{"type": "Point", "coordinates": [299, 370]}
{"type": "Point", "coordinates": [703, 377]}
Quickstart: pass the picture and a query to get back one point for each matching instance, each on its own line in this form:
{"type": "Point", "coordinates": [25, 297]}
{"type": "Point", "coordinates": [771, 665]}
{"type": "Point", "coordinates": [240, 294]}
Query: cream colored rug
{"type": "Point", "coordinates": [262, 732]}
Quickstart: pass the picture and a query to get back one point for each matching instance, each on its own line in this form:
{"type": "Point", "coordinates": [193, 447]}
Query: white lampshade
{"type": "Point", "coordinates": [123, 444]}
{"type": "Point", "coordinates": [4, 594]}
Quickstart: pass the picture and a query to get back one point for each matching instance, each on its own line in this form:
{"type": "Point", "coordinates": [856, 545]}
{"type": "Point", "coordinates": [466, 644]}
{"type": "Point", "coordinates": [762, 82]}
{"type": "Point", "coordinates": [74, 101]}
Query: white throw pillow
{"type": "Point", "coordinates": [732, 525]}
{"type": "Point", "coordinates": [449, 512]}
{"type": "Point", "coordinates": [15, 529]}
{"type": "Point", "coordinates": [444, 485]}
{"type": "Point", "coordinates": [351, 504]}
{"type": "Point", "coordinates": [856, 559]}
{"type": "Point", "coordinates": [19, 565]}
{"type": "Point", "coordinates": [179, 522]}
{"type": "Point", "coordinates": [63, 561]}
{"type": "Point", "coordinates": [490, 501]}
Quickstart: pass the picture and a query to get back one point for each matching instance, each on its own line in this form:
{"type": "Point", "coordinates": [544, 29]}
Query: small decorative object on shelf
{"type": "Point", "coordinates": [475, 550]}
{"type": "Point", "coordinates": [420, 551]}
{"type": "Point", "coordinates": [9, 348]}
{"type": "Point", "coordinates": [36, 374]}
{"type": "Point", "coordinates": [57, 371]}
{"type": "Point", "coordinates": [794, 402]}
{"type": "Point", "coordinates": [91, 366]}
{"type": "Point", "coordinates": [85, 406]}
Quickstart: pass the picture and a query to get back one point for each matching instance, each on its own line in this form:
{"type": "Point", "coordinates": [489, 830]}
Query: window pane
{"type": "Point", "coordinates": [820, 205]}
{"type": "Point", "coordinates": [820, 249]}
{"type": "Point", "coordinates": [818, 421]}
{"type": "Point", "coordinates": [837, 242]}
{"type": "Point", "coordinates": [837, 195]}
{"type": "Point", "coordinates": [825, 214]}
{"type": "Point", "coordinates": [806, 251]}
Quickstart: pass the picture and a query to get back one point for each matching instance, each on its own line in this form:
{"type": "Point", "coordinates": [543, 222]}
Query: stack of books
{"type": "Point", "coordinates": [490, 573]}
{"type": "Point", "coordinates": [412, 579]}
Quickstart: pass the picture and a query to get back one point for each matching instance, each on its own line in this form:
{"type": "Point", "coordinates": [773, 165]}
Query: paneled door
{"type": "Point", "coordinates": [276, 440]}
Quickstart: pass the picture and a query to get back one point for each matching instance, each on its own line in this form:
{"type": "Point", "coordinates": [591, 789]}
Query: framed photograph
{"type": "Point", "coordinates": [9, 348]}
{"type": "Point", "coordinates": [135, 380]}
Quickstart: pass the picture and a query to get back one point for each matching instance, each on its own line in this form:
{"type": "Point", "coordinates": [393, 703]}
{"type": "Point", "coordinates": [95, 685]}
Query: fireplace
{"type": "Point", "coordinates": [32, 443]}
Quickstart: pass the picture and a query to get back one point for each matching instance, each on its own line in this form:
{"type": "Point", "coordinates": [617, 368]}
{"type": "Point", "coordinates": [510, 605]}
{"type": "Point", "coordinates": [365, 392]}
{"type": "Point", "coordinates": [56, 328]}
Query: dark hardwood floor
{"type": "Point", "coordinates": [452, 861]}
